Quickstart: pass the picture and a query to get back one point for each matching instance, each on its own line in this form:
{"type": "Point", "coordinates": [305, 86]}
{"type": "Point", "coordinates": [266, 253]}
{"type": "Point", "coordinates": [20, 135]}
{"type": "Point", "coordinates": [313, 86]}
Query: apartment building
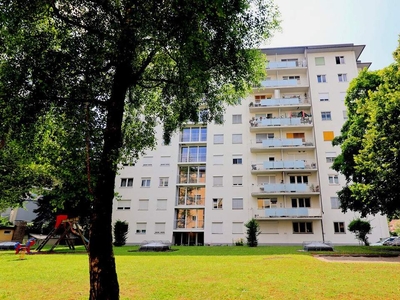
{"type": "Point", "coordinates": [270, 160]}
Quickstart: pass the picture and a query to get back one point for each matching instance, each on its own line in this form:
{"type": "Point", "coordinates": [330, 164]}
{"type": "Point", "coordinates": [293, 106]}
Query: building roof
{"type": "Point", "coordinates": [315, 49]}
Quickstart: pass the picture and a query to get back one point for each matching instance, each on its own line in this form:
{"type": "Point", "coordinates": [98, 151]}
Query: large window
{"type": "Point", "coordinates": [321, 78]}
{"type": "Point", "coordinates": [236, 119]}
{"type": "Point", "coordinates": [124, 204]}
{"type": "Point", "coordinates": [342, 77]}
{"type": "Point", "coordinates": [141, 228]}
{"type": "Point", "coordinates": [191, 195]}
{"type": "Point", "coordinates": [326, 116]}
{"type": "Point", "coordinates": [335, 203]}
{"type": "Point", "coordinates": [126, 182]}
{"type": "Point", "coordinates": [192, 174]}
{"type": "Point", "coordinates": [194, 134]}
{"type": "Point", "coordinates": [320, 61]}
{"type": "Point", "coordinates": [339, 60]}
{"type": "Point", "coordinates": [333, 179]}
{"type": "Point", "coordinates": [217, 203]}
{"type": "Point", "coordinates": [237, 138]}
{"type": "Point", "coordinates": [339, 227]}
{"type": "Point", "coordinates": [193, 154]}
{"type": "Point", "coordinates": [237, 203]}
{"type": "Point", "coordinates": [302, 227]}
{"type": "Point", "coordinates": [301, 202]}
{"type": "Point", "coordinates": [237, 180]}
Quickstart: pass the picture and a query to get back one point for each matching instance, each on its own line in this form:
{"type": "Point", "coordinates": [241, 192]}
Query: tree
{"type": "Point", "coordinates": [253, 231]}
{"type": "Point", "coordinates": [121, 68]}
{"type": "Point", "coordinates": [370, 158]}
{"type": "Point", "coordinates": [120, 232]}
{"type": "Point", "coordinates": [361, 228]}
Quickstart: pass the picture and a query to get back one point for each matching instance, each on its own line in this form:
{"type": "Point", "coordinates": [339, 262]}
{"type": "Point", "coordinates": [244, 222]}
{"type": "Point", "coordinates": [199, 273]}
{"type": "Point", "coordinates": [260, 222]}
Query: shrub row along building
{"type": "Point", "coordinates": [270, 160]}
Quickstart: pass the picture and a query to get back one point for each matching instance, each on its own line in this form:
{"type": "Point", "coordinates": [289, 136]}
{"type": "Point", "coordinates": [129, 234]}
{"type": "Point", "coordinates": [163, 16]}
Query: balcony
{"type": "Point", "coordinates": [191, 180]}
{"type": "Point", "coordinates": [285, 165]}
{"type": "Point", "coordinates": [290, 213]}
{"type": "Point", "coordinates": [297, 122]}
{"type": "Point", "coordinates": [279, 102]}
{"type": "Point", "coordinates": [273, 144]}
{"type": "Point", "coordinates": [190, 201]}
{"type": "Point", "coordinates": [192, 159]}
{"type": "Point", "coordinates": [286, 64]}
{"type": "Point", "coordinates": [185, 224]}
{"type": "Point", "coordinates": [286, 188]}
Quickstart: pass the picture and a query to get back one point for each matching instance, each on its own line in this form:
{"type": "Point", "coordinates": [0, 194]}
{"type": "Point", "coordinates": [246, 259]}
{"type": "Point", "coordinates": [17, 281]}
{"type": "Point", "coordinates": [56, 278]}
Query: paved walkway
{"type": "Point", "coordinates": [359, 259]}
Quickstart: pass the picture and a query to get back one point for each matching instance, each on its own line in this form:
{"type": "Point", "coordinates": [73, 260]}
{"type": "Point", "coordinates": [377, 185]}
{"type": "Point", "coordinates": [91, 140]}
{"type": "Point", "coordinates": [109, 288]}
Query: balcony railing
{"type": "Point", "coordinates": [291, 212]}
{"type": "Point", "coordinates": [264, 122]}
{"type": "Point", "coordinates": [191, 179]}
{"type": "Point", "coordinates": [190, 201]}
{"type": "Point", "coordinates": [296, 142]}
{"type": "Point", "coordinates": [288, 188]}
{"type": "Point", "coordinates": [294, 101]}
{"type": "Point", "coordinates": [194, 158]}
{"type": "Point", "coordinates": [285, 164]}
{"type": "Point", "coordinates": [188, 224]}
{"type": "Point", "coordinates": [285, 64]}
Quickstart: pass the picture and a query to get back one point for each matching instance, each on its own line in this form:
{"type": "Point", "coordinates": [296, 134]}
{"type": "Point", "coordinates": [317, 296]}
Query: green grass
{"type": "Point", "coordinates": [205, 273]}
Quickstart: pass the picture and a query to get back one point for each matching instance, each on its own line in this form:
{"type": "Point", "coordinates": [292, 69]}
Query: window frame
{"type": "Point", "coordinates": [333, 179]}
{"type": "Point", "coordinates": [128, 182]}
{"type": "Point", "coordinates": [237, 119]}
{"type": "Point", "coordinates": [339, 60]}
{"type": "Point", "coordinates": [326, 116]}
{"type": "Point", "coordinates": [218, 203]}
{"type": "Point", "coordinates": [298, 226]}
{"type": "Point", "coordinates": [321, 78]}
{"type": "Point", "coordinates": [237, 200]}
{"type": "Point", "coordinates": [342, 77]}
{"type": "Point", "coordinates": [339, 228]}
{"type": "Point", "coordinates": [321, 60]}
{"type": "Point", "coordinates": [163, 182]}
{"type": "Point", "coordinates": [237, 178]}
{"type": "Point", "coordinates": [145, 182]}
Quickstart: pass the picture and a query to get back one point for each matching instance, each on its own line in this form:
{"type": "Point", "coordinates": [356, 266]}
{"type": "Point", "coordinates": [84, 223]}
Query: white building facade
{"type": "Point", "coordinates": [270, 160]}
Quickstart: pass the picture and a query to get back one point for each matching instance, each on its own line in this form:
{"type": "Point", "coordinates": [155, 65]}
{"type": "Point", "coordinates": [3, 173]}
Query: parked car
{"type": "Point", "coordinates": [383, 242]}
{"type": "Point", "coordinates": [395, 242]}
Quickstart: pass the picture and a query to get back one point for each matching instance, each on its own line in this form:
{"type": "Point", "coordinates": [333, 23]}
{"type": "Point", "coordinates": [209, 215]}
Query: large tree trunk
{"type": "Point", "coordinates": [103, 276]}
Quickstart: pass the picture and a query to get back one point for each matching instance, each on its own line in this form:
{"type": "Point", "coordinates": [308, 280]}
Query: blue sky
{"type": "Point", "coordinates": [374, 23]}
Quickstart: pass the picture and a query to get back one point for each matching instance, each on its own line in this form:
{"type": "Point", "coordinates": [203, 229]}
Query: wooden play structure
{"type": "Point", "coordinates": [66, 229]}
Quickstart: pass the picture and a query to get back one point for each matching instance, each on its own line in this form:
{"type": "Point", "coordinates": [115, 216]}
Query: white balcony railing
{"type": "Point", "coordinates": [287, 188]}
{"type": "Point", "coordinates": [279, 83]}
{"type": "Point", "coordinates": [285, 64]}
{"type": "Point", "coordinates": [292, 212]}
{"type": "Point", "coordinates": [265, 122]}
{"type": "Point", "coordinates": [295, 101]}
{"type": "Point", "coordinates": [285, 164]}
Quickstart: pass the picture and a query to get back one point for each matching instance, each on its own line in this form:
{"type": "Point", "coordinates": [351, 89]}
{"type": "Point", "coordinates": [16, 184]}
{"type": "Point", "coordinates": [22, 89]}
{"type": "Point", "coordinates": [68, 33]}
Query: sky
{"type": "Point", "coordinates": [373, 23]}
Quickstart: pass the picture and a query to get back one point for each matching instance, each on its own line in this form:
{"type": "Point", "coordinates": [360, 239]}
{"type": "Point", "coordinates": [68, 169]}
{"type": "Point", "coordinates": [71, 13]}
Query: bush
{"type": "Point", "coordinates": [361, 228]}
{"type": "Point", "coordinates": [253, 230]}
{"type": "Point", "coordinates": [120, 233]}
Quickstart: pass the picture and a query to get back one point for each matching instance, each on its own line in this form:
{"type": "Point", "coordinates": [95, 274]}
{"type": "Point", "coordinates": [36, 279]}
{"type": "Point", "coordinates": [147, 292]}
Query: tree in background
{"type": "Point", "coordinates": [117, 69]}
{"type": "Point", "coordinates": [370, 157]}
{"type": "Point", "coordinates": [253, 231]}
{"type": "Point", "coordinates": [360, 228]}
{"type": "Point", "coordinates": [120, 232]}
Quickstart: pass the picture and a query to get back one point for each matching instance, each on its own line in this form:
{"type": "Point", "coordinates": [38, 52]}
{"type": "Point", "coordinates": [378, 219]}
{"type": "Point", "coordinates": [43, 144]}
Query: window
{"type": "Point", "coordinates": [330, 156]}
{"type": "Point", "coordinates": [237, 161]}
{"type": "Point", "coordinates": [143, 204]}
{"type": "Point", "coordinates": [236, 138]}
{"type": "Point", "coordinates": [163, 181]}
{"type": "Point", "coordinates": [342, 96]}
{"type": "Point", "coordinates": [291, 77]}
{"type": "Point", "coordinates": [236, 119]}
{"type": "Point", "coordinates": [267, 203]}
{"type": "Point", "coordinates": [159, 228]}
{"type": "Point", "coordinates": [145, 182]}
{"type": "Point", "coordinates": [263, 136]}
{"type": "Point", "coordinates": [298, 179]}
{"type": "Point", "coordinates": [301, 202]}
{"type": "Point", "coordinates": [335, 203]}
{"type": "Point", "coordinates": [333, 179]}
{"type": "Point", "coordinates": [237, 180]}
{"type": "Point", "coordinates": [345, 117]}
{"type": "Point", "coordinates": [342, 77]}
{"type": "Point", "coordinates": [339, 227]}
{"type": "Point", "coordinates": [193, 154]}
{"type": "Point", "coordinates": [237, 227]}
{"type": "Point", "coordinates": [339, 60]}
{"type": "Point", "coordinates": [326, 116]}
{"type": "Point", "coordinates": [320, 61]}
{"type": "Point", "coordinates": [217, 203]}
{"type": "Point", "coordinates": [271, 227]}
{"type": "Point", "coordinates": [194, 134]}
{"type": "Point", "coordinates": [7, 232]}
{"type": "Point", "coordinates": [321, 78]}
{"type": "Point", "coordinates": [126, 182]}
{"type": "Point", "coordinates": [261, 180]}
{"type": "Point", "coordinates": [328, 135]}
{"type": "Point", "coordinates": [237, 203]}
{"type": "Point", "coordinates": [323, 96]}
{"type": "Point", "coordinates": [302, 227]}
{"type": "Point", "coordinates": [218, 159]}
{"type": "Point", "coordinates": [124, 204]}
{"type": "Point", "coordinates": [218, 138]}
{"type": "Point", "coordinates": [165, 161]}
{"type": "Point", "coordinates": [217, 180]}
{"type": "Point", "coordinates": [216, 228]}
{"type": "Point", "coordinates": [161, 204]}
{"type": "Point", "coordinates": [141, 228]}
{"type": "Point", "coordinates": [147, 161]}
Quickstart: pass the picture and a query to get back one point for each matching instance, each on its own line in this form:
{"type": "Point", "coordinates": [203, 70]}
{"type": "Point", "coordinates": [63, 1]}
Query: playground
{"type": "Point", "coordinates": [203, 273]}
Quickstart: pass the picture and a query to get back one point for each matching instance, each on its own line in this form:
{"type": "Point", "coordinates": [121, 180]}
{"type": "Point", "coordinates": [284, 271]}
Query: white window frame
{"type": "Point", "coordinates": [218, 203]}
{"type": "Point", "coordinates": [161, 204]}
{"type": "Point", "coordinates": [143, 204]}
{"type": "Point", "coordinates": [218, 139]}
{"type": "Point", "coordinates": [237, 138]}
{"type": "Point", "coordinates": [147, 161]}
{"type": "Point", "coordinates": [333, 179]}
{"type": "Point", "coordinates": [124, 204]}
{"type": "Point", "coordinates": [339, 60]}
{"type": "Point", "coordinates": [326, 116]}
{"type": "Point", "coordinates": [141, 227]}
{"type": "Point", "coordinates": [237, 160]}
{"type": "Point", "coordinates": [321, 78]}
{"type": "Point", "coordinates": [237, 180]}
{"type": "Point", "coordinates": [218, 181]}
{"type": "Point", "coordinates": [330, 156]}
{"type": "Point", "coordinates": [126, 182]}
{"type": "Point", "coordinates": [159, 228]}
{"type": "Point", "coordinates": [342, 77]}
{"type": "Point", "coordinates": [145, 182]}
{"type": "Point", "coordinates": [165, 161]}
{"type": "Point", "coordinates": [237, 119]}
{"type": "Point", "coordinates": [335, 203]}
{"type": "Point", "coordinates": [323, 97]}
{"type": "Point", "coordinates": [320, 61]}
{"type": "Point", "coordinates": [218, 159]}
{"type": "Point", "coordinates": [217, 228]}
{"type": "Point", "coordinates": [163, 182]}
{"type": "Point", "coordinates": [237, 227]}
{"type": "Point", "coordinates": [237, 203]}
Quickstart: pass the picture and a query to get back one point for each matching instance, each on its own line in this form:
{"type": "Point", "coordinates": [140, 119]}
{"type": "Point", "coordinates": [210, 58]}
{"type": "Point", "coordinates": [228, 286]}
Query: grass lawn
{"type": "Point", "coordinates": [204, 273]}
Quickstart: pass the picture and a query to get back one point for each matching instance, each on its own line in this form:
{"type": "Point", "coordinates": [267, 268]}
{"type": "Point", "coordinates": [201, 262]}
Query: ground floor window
{"type": "Point", "coordinates": [339, 227]}
{"type": "Point", "coordinates": [302, 227]}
